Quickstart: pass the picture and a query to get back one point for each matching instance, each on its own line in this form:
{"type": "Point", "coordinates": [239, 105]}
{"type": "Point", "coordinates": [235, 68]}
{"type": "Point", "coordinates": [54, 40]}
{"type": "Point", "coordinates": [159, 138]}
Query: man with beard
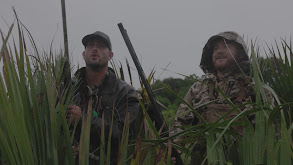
{"type": "Point", "coordinates": [109, 95]}
{"type": "Point", "coordinates": [226, 64]}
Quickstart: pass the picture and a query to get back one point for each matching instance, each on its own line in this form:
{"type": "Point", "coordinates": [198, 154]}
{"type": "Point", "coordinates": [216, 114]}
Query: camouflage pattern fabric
{"type": "Point", "coordinates": [199, 94]}
{"type": "Point", "coordinates": [235, 83]}
{"type": "Point", "coordinates": [206, 60]}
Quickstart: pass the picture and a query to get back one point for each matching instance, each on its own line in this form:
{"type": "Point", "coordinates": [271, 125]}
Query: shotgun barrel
{"type": "Point", "coordinates": [155, 113]}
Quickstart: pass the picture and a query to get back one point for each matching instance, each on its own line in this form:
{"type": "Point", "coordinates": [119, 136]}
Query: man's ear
{"type": "Point", "coordinates": [240, 56]}
{"type": "Point", "coordinates": [111, 54]}
{"type": "Point", "coordinates": [83, 54]}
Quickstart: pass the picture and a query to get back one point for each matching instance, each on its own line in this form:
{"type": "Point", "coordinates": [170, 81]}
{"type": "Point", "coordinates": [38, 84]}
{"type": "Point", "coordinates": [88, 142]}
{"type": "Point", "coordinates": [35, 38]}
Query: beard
{"type": "Point", "coordinates": [97, 66]}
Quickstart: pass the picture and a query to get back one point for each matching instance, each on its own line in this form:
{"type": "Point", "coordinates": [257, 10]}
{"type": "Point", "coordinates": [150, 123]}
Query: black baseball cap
{"type": "Point", "coordinates": [97, 35]}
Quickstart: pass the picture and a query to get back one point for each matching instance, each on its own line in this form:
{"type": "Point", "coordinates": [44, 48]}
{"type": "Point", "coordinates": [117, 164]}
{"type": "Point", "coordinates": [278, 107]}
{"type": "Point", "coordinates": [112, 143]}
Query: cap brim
{"type": "Point", "coordinates": [90, 37]}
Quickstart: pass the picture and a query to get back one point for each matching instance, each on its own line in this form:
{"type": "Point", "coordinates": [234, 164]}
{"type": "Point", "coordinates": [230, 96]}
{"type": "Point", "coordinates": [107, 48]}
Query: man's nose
{"type": "Point", "coordinates": [95, 47]}
{"type": "Point", "coordinates": [217, 51]}
{"type": "Point", "coordinates": [220, 49]}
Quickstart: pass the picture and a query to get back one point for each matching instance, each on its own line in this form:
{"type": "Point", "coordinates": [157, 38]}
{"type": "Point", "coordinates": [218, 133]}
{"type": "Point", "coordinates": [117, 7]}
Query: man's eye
{"type": "Point", "coordinates": [229, 45]}
{"type": "Point", "coordinates": [101, 46]}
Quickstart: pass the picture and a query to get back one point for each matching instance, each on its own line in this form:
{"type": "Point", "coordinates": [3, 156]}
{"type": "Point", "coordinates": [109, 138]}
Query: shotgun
{"type": "Point", "coordinates": [154, 112]}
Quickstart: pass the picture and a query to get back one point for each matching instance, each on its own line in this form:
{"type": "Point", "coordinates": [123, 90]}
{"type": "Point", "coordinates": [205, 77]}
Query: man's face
{"type": "Point", "coordinates": [97, 54]}
{"type": "Point", "coordinates": [224, 54]}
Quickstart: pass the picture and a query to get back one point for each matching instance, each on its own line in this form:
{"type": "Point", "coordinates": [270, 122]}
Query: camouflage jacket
{"type": "Point", "coordinates": [235, 84]}
{"type": "Point", "coordinates": [236, 87]}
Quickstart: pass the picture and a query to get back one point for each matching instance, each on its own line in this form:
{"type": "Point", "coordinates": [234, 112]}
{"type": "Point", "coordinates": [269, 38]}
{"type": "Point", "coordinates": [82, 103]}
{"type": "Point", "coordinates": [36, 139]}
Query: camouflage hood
{"type": "Point", "coordinates": [206, 63]}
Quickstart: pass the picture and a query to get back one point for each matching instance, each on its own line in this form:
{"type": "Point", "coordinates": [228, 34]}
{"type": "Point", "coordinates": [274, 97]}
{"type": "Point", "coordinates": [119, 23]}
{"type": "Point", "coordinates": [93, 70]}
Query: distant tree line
{"type": "Point", "coordinates": [167, 99]}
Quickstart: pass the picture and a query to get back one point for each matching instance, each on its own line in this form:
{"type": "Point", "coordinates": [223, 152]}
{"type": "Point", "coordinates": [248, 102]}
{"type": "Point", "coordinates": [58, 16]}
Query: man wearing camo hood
{"type": "Point", "coordinates": [226, 64]}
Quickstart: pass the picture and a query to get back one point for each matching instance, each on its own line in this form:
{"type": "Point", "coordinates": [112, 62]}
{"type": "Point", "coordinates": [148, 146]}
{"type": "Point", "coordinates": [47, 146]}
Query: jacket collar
{"type": "Point", "coordinates": [241, 69]}
{"type": "Point", "coordinates": [107, 86]}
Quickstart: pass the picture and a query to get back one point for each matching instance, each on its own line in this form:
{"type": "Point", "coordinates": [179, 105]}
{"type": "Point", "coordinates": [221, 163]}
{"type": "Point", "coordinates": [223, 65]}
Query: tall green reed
{"type": "Point", "coordinates": [268, 141]}
{"type": "Point", "coordinates": [34, 129]}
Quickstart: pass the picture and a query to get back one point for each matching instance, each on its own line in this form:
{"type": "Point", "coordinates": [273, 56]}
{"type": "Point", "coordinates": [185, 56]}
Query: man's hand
{"type": "Point", "coordinates": [174, 159]}
{"type": "Point", "coordinates": [75, 151]}
{"type": "Point", "coordinates": [73, 113]}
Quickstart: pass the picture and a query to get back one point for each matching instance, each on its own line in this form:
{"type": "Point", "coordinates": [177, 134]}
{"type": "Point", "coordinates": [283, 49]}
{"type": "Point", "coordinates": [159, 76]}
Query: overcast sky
{"type": "Point", "coordinates": [162, 31]}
